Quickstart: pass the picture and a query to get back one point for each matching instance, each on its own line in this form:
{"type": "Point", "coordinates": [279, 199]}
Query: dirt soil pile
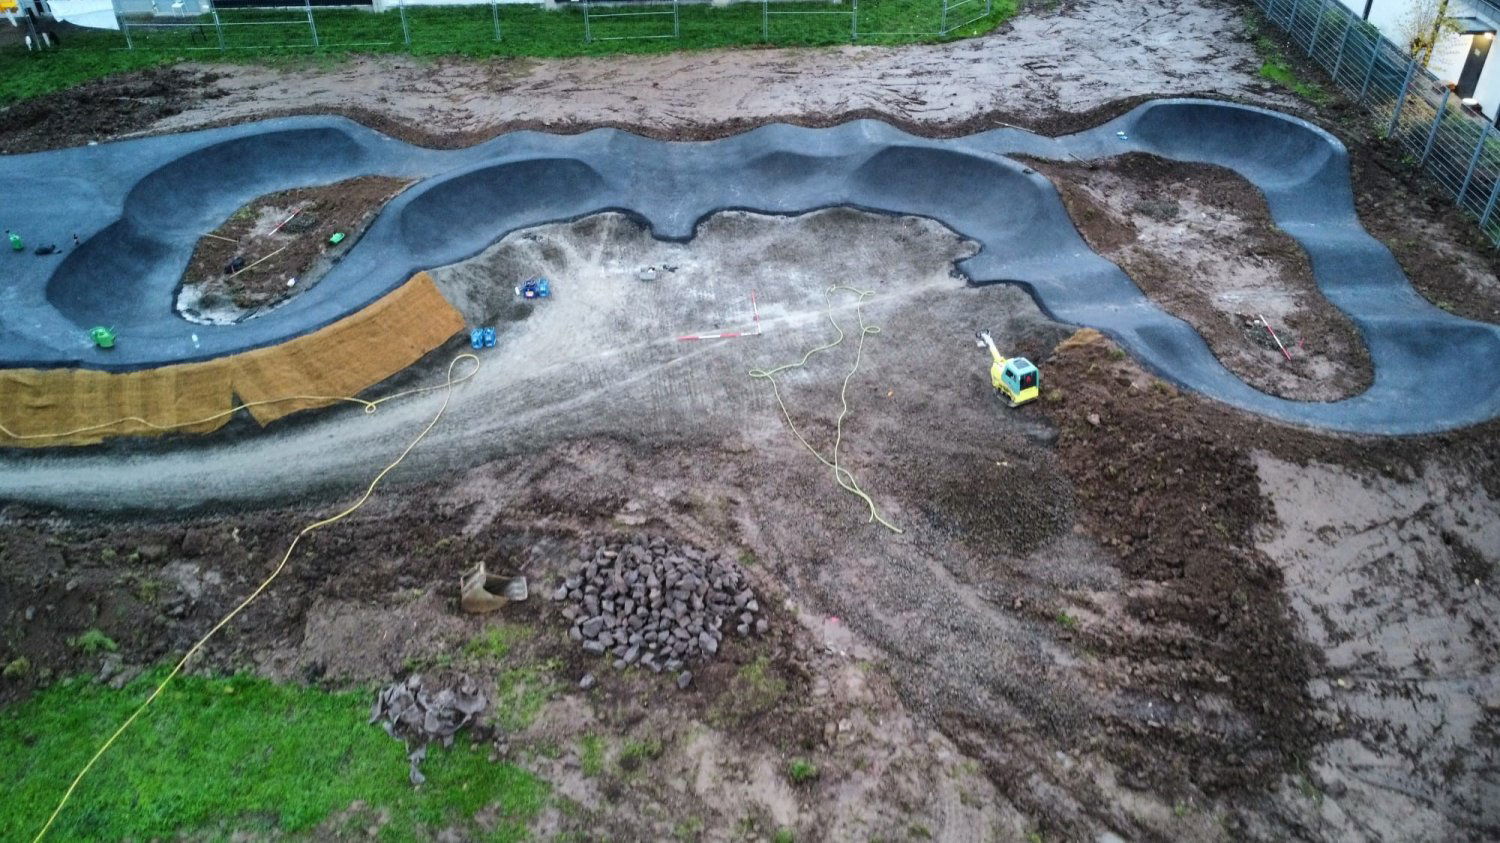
{"type": "Point", "coordinates": [104, 109]}
{"type": "Point", "coordinates": [278, 246]}
{"type": "Point", "coordinates": [1175, 497]}
{"type": "Point", "coordinates": [661, 605]}
{"type": "Point", "coordinates": [1200, 241]}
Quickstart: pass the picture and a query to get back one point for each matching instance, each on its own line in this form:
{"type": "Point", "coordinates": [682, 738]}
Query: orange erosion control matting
{"type": "Point", "coordinates": [342, 359]}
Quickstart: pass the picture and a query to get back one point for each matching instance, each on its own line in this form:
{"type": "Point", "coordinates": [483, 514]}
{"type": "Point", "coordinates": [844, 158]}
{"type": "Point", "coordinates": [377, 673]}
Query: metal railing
{"type": "Point", "coordinates": [285, 25]}
{"type": "Point", "coordinates": [1456, 146]}
{"type": "Point", "coordinates": [653, 16]}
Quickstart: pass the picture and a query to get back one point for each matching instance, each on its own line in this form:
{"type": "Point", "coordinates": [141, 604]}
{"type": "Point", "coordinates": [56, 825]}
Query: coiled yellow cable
{"type": "Point", "coordinates": [843, 476]}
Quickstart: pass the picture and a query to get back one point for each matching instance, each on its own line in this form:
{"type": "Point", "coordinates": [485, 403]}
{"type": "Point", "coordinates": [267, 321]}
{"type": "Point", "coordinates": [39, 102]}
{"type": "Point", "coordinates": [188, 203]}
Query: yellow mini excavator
{"type": "Point", "coordinates": [1014, 378]}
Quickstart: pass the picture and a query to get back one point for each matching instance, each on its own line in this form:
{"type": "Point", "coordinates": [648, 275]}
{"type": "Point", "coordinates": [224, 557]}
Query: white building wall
{"type": "Point", "coordinates": [1488, 89]}
{"type": "Point", "coordinates": [1389, 16]}
{"type": "Point", "coordinates": [1449, 55]}
{"type": "Point", "coordinates": [1451, 51]}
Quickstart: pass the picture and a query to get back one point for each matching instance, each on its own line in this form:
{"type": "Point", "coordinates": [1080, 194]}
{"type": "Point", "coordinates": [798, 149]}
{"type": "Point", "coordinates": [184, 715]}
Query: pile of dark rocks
{"type": "Point", "coordinates": [650, 602]}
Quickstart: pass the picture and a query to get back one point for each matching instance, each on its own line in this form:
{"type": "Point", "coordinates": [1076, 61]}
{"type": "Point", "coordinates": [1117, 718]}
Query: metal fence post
{"type": "Point", "coordinates": [943, 23]}
{"type": "Point", "coordinates": [218, 27]}
{"type": "Point", "coordinates": [1484, 135]}
{"type": "Point", "coordinates": [1364, 88]}
{"type": "Point", "coordinates": [1437, 121]}
{"type": "Point", "coordinates": [311, 26]}
{"type": "Point", "coordinates": [765, 21]}
{"type": "Point", "coordinates": [495, 15]}
{"type": "Point", "coordinates": [124, 25]}
{"type": "Point", "coordinates": [854, 24]}
{"type": "Point", "coordinates": [676, 20]}
{"type": "Point", "coordinates": [1317, 27]}
{"type": "Point", "coordinates": [1489, 207]}
{"type": "Point", "coordinates": [1343, 42]}
{"type": "Point", "coordinates": [1411, 70]}
{"type": "Point", "coordinates": [1291, 19]}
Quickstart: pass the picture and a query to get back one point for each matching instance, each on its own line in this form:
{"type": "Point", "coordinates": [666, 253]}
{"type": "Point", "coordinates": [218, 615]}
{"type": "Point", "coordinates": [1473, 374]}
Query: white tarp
{"type": "Point", "coordinates": [95, 14]}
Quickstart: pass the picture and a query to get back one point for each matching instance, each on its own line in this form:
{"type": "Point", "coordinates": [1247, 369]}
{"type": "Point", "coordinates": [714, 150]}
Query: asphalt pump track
{"type": "Point", "coordinates": [140, 207]}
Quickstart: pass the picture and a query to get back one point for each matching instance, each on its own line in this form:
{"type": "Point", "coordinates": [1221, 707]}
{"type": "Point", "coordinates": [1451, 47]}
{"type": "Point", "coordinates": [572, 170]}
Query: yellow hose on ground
{"type": "Point", "coordinates": [841, 475]}
{"type": "Point", "coordinates": [370, 406]}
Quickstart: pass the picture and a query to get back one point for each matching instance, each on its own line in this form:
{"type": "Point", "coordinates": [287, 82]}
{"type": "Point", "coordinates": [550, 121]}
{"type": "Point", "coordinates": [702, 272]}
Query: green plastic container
{"type": "Point", "coordinates": [102, 337]}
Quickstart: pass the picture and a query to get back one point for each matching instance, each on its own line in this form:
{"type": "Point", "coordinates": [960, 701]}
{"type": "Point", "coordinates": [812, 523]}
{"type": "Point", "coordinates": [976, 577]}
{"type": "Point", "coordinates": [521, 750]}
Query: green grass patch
{"type": "Point", "coordinates": [761, 688]}
{"type": "Point", "coordinates": [591, 755]}
{"type": "Point", "coordinates": [494, 642]}
{"type": "Point", "coordinates": [1275, 67]}
{"type": "Point", "coordinates": [94, 641]}
{"type": "Point", "coordinates": [216, 756]}
{"type": "Point", "coordinates": [755, 690]}
{"type": "Point", "coordinates": [520, 693]}
{"type": "Point", "coordinates": [801, 771]}
{"type": "Point", "coordinates": [282, 37]}
{"type": "Point", "coordinates": [636, 753]}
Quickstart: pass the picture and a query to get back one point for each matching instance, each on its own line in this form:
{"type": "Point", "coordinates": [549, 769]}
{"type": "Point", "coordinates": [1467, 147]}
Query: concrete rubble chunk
{"type": "Point", "coordinates": [418, 712]}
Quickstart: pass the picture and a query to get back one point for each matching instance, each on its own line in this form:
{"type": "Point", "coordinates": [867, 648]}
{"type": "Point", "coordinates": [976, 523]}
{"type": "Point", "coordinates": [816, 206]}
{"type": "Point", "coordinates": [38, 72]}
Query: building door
{"type": "Point", "coordinates": [1479, 50]}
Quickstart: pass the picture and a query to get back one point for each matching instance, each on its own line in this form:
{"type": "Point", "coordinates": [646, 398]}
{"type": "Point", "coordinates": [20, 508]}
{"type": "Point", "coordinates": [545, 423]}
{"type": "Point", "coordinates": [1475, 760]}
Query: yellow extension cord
{"type": "Point", "coordinates": [369, 406]}
{"type": "Point", "coordinates": [843, 476]}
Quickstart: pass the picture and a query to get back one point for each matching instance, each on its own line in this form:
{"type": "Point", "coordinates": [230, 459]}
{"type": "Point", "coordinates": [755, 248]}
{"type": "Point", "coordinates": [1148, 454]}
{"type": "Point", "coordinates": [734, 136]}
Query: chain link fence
{"type": "Point", "coordinates": [1453, 144]}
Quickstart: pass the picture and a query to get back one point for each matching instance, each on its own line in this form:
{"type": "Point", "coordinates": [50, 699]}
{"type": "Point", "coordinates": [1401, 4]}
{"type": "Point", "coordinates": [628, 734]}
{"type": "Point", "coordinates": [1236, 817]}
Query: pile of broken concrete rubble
{"type": "Point", "coordinates": [419, 712]}
{"type": "Point", "coordinates": [651, 602]}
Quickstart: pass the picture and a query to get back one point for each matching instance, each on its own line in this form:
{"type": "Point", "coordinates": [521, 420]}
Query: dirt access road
{"type": "Point", "coordinates": [1075, 58]}
{"type": "Point", "coordinates": [1047, 65]}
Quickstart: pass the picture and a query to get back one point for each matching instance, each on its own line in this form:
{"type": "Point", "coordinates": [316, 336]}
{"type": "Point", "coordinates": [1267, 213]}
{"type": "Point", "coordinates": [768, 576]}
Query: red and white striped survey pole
{"type": "Point", "coordinates": [754, 308]}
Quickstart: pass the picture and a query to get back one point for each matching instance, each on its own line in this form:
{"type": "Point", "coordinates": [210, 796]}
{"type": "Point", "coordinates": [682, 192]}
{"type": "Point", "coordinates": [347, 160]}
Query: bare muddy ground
{"type": "Point", "coordinates": [1393, 579]}
{"type": "Point", "coordinates": [1200, 242]}
{"type": "Point", "coordinates": [1088, 624]}
{"type": "Point", "coordinates": [1118, 610]}
{"type": "Point", "coordinates": [1050, 63]}
{"type": "Point", "coordinates": [1045, 63]}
